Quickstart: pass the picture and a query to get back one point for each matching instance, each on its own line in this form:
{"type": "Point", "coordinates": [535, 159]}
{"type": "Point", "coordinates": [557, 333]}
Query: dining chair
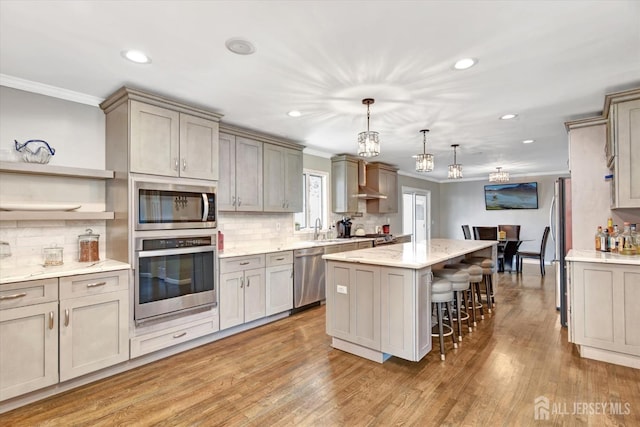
{"type": "Point", "coordinates": [485, 233]}
{"type": "Point", "coordinates": [466, 231]}
{"type": "Point", "coordinates": [513, 231]}
{"type": "Point", "coordinates": [539, 255]}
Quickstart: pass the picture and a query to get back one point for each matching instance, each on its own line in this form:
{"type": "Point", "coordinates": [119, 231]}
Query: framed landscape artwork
{"type": "Point", "coordinates": [511, 196]}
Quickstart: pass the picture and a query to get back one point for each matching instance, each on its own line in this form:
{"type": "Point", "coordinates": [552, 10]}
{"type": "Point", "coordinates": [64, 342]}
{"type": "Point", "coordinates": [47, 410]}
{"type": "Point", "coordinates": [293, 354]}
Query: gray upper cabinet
{"type": "Point", "coordinates": [624, 124]}
{"type": "Point", "coordinates": [344, 184]}
{"type": "Point", "coordinates": [383, 178]}
{"type": "Point", "coordinates": [169, 143]}
{"type": "Point", "coordinates": [240, 185]}
{"type": "Point", "coordinates": [153, 135]}
{"type": "Point", "coordinates": [282, 179]}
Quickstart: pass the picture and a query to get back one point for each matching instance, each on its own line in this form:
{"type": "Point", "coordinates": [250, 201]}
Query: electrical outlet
{"type": "Point", "coordinates": [341, 289]}
{"type": "Point", "coordinates": [277, 226]}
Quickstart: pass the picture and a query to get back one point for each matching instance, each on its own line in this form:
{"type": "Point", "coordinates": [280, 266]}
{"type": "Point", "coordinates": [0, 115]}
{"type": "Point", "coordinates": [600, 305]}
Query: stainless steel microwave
{"type": "Point", "coordinates": [168, 205]}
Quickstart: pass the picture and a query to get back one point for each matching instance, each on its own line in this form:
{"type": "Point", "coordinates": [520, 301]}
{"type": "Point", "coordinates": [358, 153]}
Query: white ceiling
{"type": "Point", "coordinates": [549, 62]}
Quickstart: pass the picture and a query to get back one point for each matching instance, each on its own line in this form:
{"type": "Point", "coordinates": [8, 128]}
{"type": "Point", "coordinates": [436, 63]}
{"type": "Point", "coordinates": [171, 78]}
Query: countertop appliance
{"type": "Point", "coordinates": [308, 276]}
{"type": "Point", "coordinates": [168, 205]}
{"type": "Point", "coordinates": [560, 223]}
{"type": "Point", "coordinates": [344, 228]}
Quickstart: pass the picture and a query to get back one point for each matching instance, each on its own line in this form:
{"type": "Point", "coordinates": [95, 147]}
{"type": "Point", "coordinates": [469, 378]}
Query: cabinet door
{"type": "Point", "coordinates": [279, 292]}
{"type": "Point", "coordinates": [154, 140]}
{"type": "Point", "coordinates": [398, 298]}
{"type": "Point", "coordinates": [226, 195]}
{"type": "Point", "coordinates": [274, 172]}
{"type": "Point", "coordinates": [365, 306]}
{"type": "Point", "coordinates": [293, 181]}
{"type": "Point", "coordinates": [627, 179]}
{"type": "Point", "coordinates": [94, 333]}
{"type": "Point", "coordinates": [254, 294]}
{"type": "Point", "coordinates": [231, 299]}
{"type": "Point", "coordinates": [28, 348]}
{"type": "Point", "coordinates": [344, 183]}
{"type": "Point", "coordinates": [391, 179]}
{"type": "Point", "coordinates": [198, 147]}
{"type": "Point", "coordinates": [248, 175]}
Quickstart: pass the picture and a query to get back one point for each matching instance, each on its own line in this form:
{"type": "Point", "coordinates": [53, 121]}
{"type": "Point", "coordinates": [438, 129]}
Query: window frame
{"type": "Point", "coordinates": [325, 176]}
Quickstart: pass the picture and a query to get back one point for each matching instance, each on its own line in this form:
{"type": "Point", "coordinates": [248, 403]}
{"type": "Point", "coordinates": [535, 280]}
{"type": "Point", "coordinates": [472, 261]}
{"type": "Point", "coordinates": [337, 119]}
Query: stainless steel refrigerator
{"type": "Point", "coordinates": [560, 223]}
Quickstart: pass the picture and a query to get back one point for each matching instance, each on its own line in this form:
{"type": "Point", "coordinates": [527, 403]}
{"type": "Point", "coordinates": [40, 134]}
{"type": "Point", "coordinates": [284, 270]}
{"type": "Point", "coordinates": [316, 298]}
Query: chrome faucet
{"type": "Point", "coordinates": [316, 226]}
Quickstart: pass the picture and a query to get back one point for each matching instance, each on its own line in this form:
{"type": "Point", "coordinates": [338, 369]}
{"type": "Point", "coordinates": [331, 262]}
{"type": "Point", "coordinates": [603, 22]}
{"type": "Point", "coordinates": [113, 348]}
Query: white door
{"type": "Point", "coordinates": [416, 214]}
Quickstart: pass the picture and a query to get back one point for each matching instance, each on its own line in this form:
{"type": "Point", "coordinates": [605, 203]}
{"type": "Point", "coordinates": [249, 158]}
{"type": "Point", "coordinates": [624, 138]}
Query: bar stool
{"type": "Point", "coordinates": [488, 267]}
{"type": "Point", "coordinates": [460, 284]}
{"type": "Point", "coordinates": [475, 277]}
{"type": "Point", "coordinates": [442, 295]}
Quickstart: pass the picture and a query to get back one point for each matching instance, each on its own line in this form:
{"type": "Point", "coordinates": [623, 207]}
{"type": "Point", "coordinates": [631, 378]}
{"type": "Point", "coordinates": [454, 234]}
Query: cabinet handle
{"type": "Point", "coordinates": [184, 164]}
{"type": "Point", "coordinates": [66, 317]}
{"type": "Point", "coordinates": [248, 282]}
{"type": "Point", "coordinates": [239, 201]}
{"type": "Point", "coordinates": [244, 263]}
{"type": "Point", "coordinates": [175, 163]}
{"type": "Point", "coordinates": [181, 334]}
{"type": "Point", "coordinates": [280, 259]}
{"type": "Point", "coordinates": [242, 283]}
{"type": "Point", "coordinates": [14, 296]}
{"type": "Point", "coordinates": [51, 320]}
{"type": "Point", "coordinates": [286, 202]}
{"type": "Point", "coordinates": [94, 285]}
{"type": "Point", "coordinates": [233, 200]}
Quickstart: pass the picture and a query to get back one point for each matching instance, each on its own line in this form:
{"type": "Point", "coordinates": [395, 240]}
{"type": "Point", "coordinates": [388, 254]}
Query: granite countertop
{"type": "Point", "coordinates": [34, 272]}
{"type": "Point", "coordinates": [602, 257]}
{"type": "Point", "coordinates": [412, 255]}
{"type": "Point", "coordinates": [288, 246]}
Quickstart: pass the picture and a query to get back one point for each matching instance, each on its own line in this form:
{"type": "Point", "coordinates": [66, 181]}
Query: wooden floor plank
{"type": "Point", "coordinates": [286, 373]}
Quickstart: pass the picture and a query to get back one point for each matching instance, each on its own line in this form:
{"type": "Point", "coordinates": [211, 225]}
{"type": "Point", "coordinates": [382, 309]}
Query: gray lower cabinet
{"type": "Point", "coordinates": [282, 179]}
{"type": "Point", "coordinates": [53, 330]}
{"type": "Point", "coordinates": [279, 282]}
{"type": "Point", "coordinates": [242, 290]}
{"type": "Point", "coordinates": [241, 180]}
{"type": "Point", "coordinates": [604, 313]}
{"type": "Point", "coordinates": [381, 308]}
{"type": "Point", "coordinates": [28, 337]}
{"type": "Point", "coordinates": [94, 322]}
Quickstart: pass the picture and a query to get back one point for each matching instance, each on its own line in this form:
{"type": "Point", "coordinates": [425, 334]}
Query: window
{"type": "Point", "coordinates": [314, 200]}
{"type": "Point", "coordinates": [416, 214]}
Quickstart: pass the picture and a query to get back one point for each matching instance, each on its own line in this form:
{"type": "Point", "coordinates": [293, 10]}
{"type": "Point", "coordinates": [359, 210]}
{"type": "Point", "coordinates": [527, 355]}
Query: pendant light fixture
{"type": "Point", "coordinates": [455, 170]}
{"type": "Point", "coordinates": [424, 161]}
{"type": "Point", "coordinates": [499, 176]}
{"type": "Point", "coordinates": [368, 142]}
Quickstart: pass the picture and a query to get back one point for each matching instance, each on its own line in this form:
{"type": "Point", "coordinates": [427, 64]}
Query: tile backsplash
{"type": "Point", "coordinates": [28, 238]}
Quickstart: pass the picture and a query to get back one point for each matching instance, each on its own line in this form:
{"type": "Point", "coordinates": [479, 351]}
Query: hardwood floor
{"type": "Point", "coordinates": [286, 373]}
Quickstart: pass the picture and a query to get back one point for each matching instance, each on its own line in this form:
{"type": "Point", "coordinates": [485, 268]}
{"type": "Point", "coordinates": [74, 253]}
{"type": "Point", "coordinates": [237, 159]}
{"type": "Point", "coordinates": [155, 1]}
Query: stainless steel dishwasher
{"type": "Point", "coordinates": [308, 276]}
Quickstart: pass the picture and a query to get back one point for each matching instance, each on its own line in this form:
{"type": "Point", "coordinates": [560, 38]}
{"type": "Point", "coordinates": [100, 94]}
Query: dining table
{"type": "Point", "coordinates": [509, 248]}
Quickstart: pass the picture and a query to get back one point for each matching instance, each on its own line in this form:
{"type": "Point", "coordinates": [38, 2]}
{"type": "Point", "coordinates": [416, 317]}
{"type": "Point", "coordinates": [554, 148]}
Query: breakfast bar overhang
{"type": "Point", "coordinates": [379, 299]}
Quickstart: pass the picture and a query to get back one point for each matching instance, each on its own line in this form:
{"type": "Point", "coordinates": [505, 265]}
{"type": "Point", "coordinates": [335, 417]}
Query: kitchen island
{"type": "Point", "coordinates": [603, 293]}
{"type": "Point", "coordinates": [379, 301]}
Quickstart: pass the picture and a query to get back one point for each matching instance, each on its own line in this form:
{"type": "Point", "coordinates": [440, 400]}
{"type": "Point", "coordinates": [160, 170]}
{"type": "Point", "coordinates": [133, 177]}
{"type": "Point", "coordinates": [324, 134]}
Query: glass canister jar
{"type": "Point", "coordinates": [88, 247]}
{"type": "Point", "coordinates": [52, 256]}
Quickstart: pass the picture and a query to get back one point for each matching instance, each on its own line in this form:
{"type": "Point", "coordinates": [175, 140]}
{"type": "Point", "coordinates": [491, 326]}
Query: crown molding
{"type": "Point", "coordinates": [318, 153]}
{"type": "Point", "coordinates": [48, 90]}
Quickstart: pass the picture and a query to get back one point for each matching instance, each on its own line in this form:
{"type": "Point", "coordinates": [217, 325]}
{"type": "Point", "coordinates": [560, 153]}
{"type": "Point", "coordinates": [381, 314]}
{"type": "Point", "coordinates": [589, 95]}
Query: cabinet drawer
{"type": "Point", "coordinates": [91, 284]}
{"type": "Point", "coordinates": [230, 265]}
{"type": "Point", "coordinates": [162, 339]}
{"type": "Point", "coordinates": [279, 258]}
{"type": "Point", "coordinates": [28, 293]}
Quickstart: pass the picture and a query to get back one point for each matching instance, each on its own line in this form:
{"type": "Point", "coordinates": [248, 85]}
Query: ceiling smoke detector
{"type": "Point", "coordinates": [240, 46]}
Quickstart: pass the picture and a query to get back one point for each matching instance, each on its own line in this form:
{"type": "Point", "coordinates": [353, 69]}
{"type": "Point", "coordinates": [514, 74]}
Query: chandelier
{"type": "Point", "coordinates": [499, 176]}
{"type": "Point", "coordinates": [424, 161]}
{"type": "Point", "coordinates": [455, 170]}
{"type": "Point", "coordinates": [368, 142]}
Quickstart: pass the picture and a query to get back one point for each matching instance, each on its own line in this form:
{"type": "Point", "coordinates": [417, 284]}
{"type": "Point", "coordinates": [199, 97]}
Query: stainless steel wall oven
{"type": "Point", "coordinates": [167, 205]}
{"type": "Point", "coordinates": [174, 274]}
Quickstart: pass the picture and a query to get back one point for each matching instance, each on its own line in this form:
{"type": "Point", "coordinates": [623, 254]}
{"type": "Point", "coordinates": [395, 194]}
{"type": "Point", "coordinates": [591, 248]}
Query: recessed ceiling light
{"type": "Point", "coordinates": [240, 46]}
{"type": "Point", "coordinates": [464, 63]}
{"type": "Point", "coordinates": [508, 116]}
{"type": "Point", "coordinates": [136, 56]}
{"type": "Point", "coordinates": [528, 141]}
{"type": "Point", "coordinates": [294, 113]}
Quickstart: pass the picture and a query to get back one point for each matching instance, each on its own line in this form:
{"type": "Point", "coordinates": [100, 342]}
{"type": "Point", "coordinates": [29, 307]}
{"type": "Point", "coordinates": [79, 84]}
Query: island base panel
{"type": "Point", "coordinates": [622, 359]}
{"type": "Point", "coordinates": [358, 350]}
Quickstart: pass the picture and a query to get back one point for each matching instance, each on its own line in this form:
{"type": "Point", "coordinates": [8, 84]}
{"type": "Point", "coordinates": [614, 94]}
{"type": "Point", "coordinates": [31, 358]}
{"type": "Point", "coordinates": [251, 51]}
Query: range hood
{"type": "Point", "coordinates": [365, 192]}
